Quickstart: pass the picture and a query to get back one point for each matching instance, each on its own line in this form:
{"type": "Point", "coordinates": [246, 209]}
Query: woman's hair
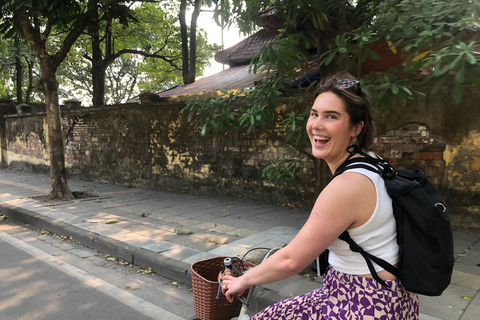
{"type": "Point", "coordinates": [356, 101]}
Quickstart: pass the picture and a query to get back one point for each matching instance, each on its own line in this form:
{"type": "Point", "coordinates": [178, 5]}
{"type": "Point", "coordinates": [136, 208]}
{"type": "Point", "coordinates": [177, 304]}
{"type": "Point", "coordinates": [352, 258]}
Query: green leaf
{"type": "Point", "coordinates": [457, 93]}
{"type": "Point", "coordinates": [374, 55]}
{"type": "Point", "coordinates": [337, 40]}
{"type": "Point", "coordinates": [460, 74]}
{"type": "Point", "coordinates": [455, 62]}
{"type": "Point", "coordinates": [315, 23]}
{"type": "Point", "coordinates": [407, 91]}
{"type": "Point", "coordinates": [470, 58]}
{"type": "Point", "coordinates": [320, 21]}
{"type": "Point", "coordinates": [394, 88]}
{"type": "Point", "coordinates": [329, 59]}
{"type": "Point", "coordinates": [438, 85]}
{"type": "Point", "coordinates": [213, 126]}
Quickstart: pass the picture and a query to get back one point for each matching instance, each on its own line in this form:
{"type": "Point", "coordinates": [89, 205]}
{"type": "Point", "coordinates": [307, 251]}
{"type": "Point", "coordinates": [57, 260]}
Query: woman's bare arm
{"type": "Point", "coordinates": [347, 201]}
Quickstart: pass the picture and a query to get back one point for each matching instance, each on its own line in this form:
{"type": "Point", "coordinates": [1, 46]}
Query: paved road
{"type": "Point", "coordinates": [169, 231]}
{"type": "Point", "coordinates": [44, 277]}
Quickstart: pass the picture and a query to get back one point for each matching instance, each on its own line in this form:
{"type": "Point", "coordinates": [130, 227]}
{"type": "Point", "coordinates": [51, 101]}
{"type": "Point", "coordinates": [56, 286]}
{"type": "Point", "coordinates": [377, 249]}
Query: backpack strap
{"type": "Point", "coordinates": [381, 167]}
{"type": "Point", "coordinates": [345, 236]}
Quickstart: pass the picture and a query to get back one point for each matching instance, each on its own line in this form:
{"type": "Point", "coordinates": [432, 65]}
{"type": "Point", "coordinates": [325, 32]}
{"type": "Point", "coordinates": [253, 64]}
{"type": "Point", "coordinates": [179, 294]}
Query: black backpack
{"type": "Point", "coordinates": [424, 234]}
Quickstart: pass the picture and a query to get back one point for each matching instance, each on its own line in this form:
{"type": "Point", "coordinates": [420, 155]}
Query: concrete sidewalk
{"type": "Point", "coordinates": [169, 231]}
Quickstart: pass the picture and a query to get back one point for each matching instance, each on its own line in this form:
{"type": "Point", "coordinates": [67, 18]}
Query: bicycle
{"type": "Point", "coordinates": [246, 302]}
{"type": "Point", "coordinates": [235, 265]}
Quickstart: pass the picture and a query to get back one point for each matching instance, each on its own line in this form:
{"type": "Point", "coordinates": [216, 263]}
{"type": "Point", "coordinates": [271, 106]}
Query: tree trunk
{"type": "Point", "coordinates": [58, 178]}
{"type": "Point", "coordinates": [28, 95]}
{"type": "Point", "coordinates": [18, 71]}
{"type": "Point", "coordinates": [49, 86]}
{"type": "Point", "coordinates": [98, 75]}
{"type": "Point", "coordinates": [184, 35]}
{"type": "Point", "coordinates": [98, 70]}
{"type": "Point", "coordinates": [193, 43]}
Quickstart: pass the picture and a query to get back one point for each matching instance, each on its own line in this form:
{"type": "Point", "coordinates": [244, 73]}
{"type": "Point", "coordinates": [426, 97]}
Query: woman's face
{"type": "Point", "coordinates": [330, 130]}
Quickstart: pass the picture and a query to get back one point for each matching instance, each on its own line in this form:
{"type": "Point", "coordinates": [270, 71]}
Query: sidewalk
{"type": "Point", "coordinates": [169, 231]}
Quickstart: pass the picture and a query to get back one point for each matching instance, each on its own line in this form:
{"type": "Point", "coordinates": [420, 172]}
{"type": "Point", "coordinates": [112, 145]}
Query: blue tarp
{"type": "Point", "coordinates": [306, 80]}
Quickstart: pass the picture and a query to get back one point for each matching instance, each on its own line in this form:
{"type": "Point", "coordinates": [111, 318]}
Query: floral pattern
{"type": "Point", "coordinates": [348, 297]}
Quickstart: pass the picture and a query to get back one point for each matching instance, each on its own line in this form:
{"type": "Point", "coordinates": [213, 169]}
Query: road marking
{"type": "Point", "coordinates": [134, 302]}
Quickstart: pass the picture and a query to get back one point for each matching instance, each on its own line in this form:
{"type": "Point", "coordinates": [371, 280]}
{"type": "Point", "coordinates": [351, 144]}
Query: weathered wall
{"type": "Point", "coordinates": [413, 146]}
{"type": "Point", "coordinates": [151, 145]}
{"type": "Point", "coordinates": [457, 125]}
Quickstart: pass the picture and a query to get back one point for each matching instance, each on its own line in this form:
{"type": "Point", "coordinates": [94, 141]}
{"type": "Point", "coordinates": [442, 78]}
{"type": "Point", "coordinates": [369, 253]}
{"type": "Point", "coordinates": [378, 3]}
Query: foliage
{"type": "Point", "coordinates": [74, 76]}
{"type": "Point", "coordinates": [144, 56]}
{"type": "Point", "coordinates": [283, 168]}
{"type": "Point", "coordinates": [37, 21]}
{"type": "Point", "coordinates": [6, 71]}
{"type": "Point", "coordinates": [17, 54]}
{"type": "Point", "coordinates": [148, 37]}
{"type": "Point", "coordinates": [437, 39]}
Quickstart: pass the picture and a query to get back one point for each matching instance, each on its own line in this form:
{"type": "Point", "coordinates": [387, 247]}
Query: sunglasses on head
{"type": "Point", "coordinates": [349, 83]}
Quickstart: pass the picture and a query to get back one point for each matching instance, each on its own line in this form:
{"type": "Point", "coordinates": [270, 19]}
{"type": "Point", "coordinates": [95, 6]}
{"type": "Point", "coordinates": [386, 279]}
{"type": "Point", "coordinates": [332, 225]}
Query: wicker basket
{"type": "Point", "coordinates": [205, 287]}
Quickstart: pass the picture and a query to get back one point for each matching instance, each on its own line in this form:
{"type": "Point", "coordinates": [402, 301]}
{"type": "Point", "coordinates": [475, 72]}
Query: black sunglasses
{"type": "Point", "coordinates": [348, 83]}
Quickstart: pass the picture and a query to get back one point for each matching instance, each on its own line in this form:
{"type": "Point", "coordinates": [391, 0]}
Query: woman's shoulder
{"type": "Point", "coordinates": [353, 178]}
{"type": "Point", "coordinates": [350, 184]}
{"type": "Point", "coordinates": [351, 195]}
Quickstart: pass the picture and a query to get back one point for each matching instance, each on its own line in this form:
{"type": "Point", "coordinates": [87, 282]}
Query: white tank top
{"type": "Point", "coordinates": [377, 236]}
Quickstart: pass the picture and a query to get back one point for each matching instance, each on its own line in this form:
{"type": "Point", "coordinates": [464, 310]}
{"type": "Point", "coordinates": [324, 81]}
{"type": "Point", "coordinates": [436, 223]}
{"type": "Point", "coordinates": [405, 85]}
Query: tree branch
{"type": "Point", "coordinates": [30, 32]}
{"type": "Point", "coordinates": [48, 29]}
{"type": "Point", "coordinates": [112, 57]}
{"type": "Point", "coordinates": [79, 25]}
{"type": "Point", "coordinates": [86, 56]}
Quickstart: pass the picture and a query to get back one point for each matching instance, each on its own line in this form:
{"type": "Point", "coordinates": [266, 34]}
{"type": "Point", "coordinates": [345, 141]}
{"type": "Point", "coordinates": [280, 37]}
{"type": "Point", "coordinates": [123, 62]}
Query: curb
{"type": "Point", "coordinates": [167, 267]}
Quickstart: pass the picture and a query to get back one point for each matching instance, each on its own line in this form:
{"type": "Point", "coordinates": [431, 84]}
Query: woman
{"type": "Point", "coordinates": [356, 200]}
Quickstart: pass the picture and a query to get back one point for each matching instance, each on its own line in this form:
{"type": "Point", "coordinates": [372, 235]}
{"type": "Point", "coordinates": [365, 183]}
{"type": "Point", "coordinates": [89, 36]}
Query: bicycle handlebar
{"type": "Point", "coordinates": [229, 264]}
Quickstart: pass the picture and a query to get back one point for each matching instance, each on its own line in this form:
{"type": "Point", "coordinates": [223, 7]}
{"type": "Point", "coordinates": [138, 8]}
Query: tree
{"type": "Point", "coordinates": [37, 20]}
{"type": "Point", "coordinates": [6, 85]}
{"type": "Point", "coordinates": [18, 67]}
{"type": "Point", "coordinates": [189, 57]}
{"type": "Point", "coordinates": [110, 12]}
{"type": "Point", "coordinates": [436, 39]}
{"type": "Point", "coordinates": [134, 52]}
{"type": "Point", "coordinates": [25, 67]}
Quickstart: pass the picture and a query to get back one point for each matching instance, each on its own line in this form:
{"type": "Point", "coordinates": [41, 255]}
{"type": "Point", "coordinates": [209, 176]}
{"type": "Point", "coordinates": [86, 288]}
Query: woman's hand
{"type": "Point", "coordinates": [232, 285]}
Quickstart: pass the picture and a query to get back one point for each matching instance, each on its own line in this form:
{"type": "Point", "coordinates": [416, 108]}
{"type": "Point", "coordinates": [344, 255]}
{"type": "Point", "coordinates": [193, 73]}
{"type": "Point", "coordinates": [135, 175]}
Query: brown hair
{"type": "Point", "coordinates": [356, 102]}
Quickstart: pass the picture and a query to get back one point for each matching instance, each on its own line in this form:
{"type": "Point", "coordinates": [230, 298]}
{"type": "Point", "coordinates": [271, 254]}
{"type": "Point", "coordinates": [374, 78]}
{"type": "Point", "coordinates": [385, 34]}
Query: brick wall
{"type": "Point", "coordinates": [413, 146]}
{"type": "Point", "coordinates": [152, 145]}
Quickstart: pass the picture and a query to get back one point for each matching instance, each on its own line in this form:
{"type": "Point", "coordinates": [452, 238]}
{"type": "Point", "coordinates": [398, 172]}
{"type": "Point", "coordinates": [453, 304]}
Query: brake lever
{"type": "Point", "coordinates": [219, 291]}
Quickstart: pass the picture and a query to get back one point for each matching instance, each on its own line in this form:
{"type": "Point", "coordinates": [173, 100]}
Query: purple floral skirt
{"type": "Point", "coordinates": [345, 297]}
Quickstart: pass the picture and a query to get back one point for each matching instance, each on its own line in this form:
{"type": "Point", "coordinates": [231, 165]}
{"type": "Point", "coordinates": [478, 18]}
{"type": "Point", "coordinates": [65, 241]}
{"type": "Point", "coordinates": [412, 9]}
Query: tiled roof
{"type": "Point", "coordinates": [244, 51]}
{"type": "Point", "coordinates": [232, 78]}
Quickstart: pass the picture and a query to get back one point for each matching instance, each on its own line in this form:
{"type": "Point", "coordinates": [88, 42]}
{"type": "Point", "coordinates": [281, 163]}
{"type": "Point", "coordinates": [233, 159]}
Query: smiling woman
{"type": "Point", "coordinates": [356, 102]}
{"type": "Point", "coordinates": [357, 201]}
{"type": "Point", "coordinates": [330, 129]}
